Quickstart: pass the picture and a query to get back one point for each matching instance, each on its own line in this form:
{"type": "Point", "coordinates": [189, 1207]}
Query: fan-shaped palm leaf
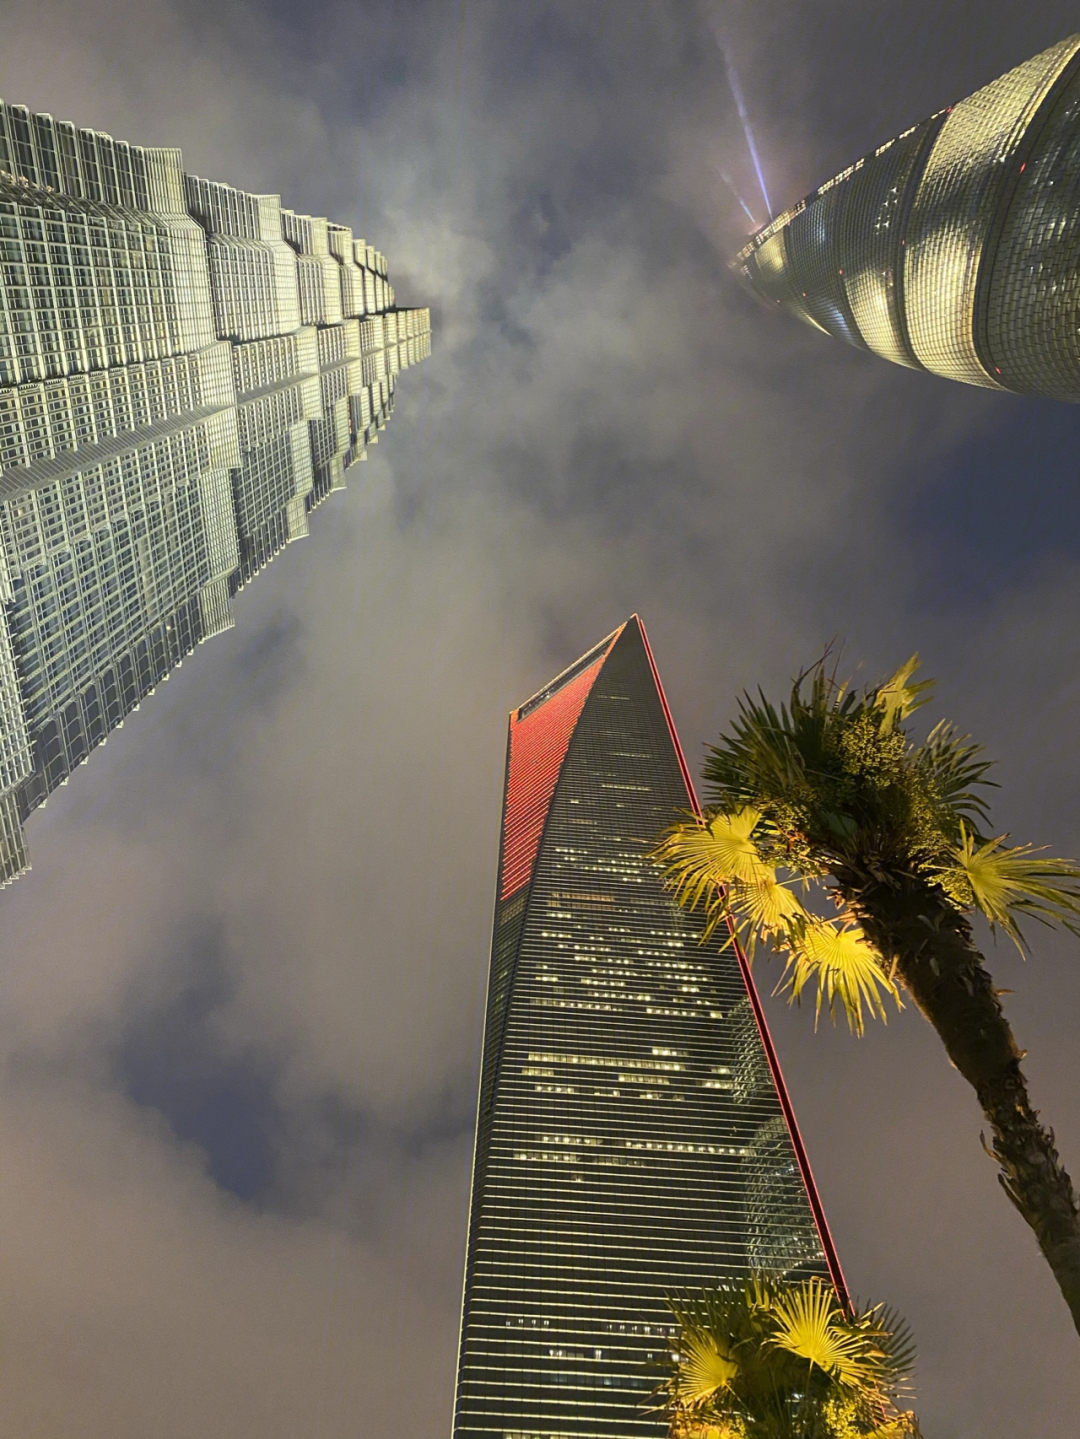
{"type": "Point", "coordinates": [1005, 883]}
{"type": "Point", "coordinates": [848, 971]}
{"type": "Point", "coordinates": [811, 1325]}
{"type": "Point", "coordinates": [700, 856]}
{"type": "Point", "coordinates": [706, 1366]}
{"type": "Point", "coordinates": [767, 905]}
{"type": "Point", "coordinates": [950, 768]}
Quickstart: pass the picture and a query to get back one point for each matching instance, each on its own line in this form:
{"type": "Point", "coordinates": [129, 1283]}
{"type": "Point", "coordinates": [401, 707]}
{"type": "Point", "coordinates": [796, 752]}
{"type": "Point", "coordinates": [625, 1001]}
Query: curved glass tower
{"type": "Point", "coordinates": [954, 248]}
{"type": "Point", "coordinates": [634, 1137]}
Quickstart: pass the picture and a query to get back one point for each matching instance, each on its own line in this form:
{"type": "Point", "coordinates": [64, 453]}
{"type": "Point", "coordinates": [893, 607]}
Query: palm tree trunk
{"type": "Point", "coordinates": [935, 956]}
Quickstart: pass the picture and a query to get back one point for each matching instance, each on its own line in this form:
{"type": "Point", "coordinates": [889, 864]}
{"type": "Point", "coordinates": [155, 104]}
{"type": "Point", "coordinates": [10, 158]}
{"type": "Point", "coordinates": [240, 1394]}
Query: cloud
{"type": "Point", "coordinates": [243, 984]}
{"type": "Point", "coordinates": [139, 1299]}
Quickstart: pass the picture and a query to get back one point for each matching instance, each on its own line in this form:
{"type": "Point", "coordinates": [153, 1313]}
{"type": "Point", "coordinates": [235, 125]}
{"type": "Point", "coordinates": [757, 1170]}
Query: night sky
{"type": "Point", "coordinates": [242, 987]}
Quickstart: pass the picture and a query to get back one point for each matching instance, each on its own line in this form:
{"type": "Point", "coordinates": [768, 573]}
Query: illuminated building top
{"type": "Point", "coordinates": [186, 372]}
{"type": "Point", "coordinates": [634, 1136]}
{"type": "Point", "coordinates": [954, 248]}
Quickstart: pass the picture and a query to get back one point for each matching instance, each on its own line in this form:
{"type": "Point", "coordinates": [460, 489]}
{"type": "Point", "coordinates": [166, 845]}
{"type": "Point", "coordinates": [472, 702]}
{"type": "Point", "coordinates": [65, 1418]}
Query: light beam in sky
{"type": "Point", "coordinates": [740, 105]}
{"type": "Point", "coordinates": [730, 183]}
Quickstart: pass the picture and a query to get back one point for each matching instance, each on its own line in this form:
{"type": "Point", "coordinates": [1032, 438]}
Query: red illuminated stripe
{"type": "Point", "coordinates": [672, 731]}
{"type": "Point", "coordinates": [538, 745]}
{"type": "Point", "coordinates": [832, 1258]}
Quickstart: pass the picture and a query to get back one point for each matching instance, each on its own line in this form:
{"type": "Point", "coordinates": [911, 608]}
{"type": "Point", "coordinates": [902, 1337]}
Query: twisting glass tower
{"type": "Point", "coordinates": [634, 1137]}
{"type": "Point", "coordinates": [186, 371]}
{"type": "Point", "coordinates": [954, 248]}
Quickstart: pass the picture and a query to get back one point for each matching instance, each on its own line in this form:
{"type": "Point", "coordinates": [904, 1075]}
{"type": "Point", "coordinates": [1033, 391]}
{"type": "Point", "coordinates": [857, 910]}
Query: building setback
{"type": "Point", "coordinates": [633, 1138]}
{"type": "Point", "coordinates": [186, 372]}
{"type": "Point", "coordinates": [954, 248]}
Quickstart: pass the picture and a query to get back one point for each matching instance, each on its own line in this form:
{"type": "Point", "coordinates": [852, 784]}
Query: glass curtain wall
{"type": "Point", "coordinates": [631, 1136]}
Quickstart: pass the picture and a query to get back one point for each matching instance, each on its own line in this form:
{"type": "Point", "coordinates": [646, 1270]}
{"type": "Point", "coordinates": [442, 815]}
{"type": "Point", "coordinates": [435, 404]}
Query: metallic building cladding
{"type": "Point", "coordinates": [769, 271]}
{"type": "Point", "coordinates": [174, 399]}
{"type": "Point", "coordinates": [874, 221]}
{"type": "Point", "coordinates": [631, 1141]}
{"type": "Point", "coordinates": [816, 267]}
{"type": "Point", "coordinates": [953, 248]}
{"type": "Point", "coordinates": [954, 208]}
{"type": "Point", "coordinates": [1030, 285]}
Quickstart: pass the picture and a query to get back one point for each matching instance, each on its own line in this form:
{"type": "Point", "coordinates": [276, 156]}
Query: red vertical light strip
{"type": "Point", "coordinates": [672, 731]}
{"type": "Point", "coordinates": [832, 1258]}
{"type": "Point", "coordinates": [538, 745]}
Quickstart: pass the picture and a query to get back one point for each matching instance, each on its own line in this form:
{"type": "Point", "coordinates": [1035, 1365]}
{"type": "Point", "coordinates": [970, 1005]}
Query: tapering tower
{"type": "Point", "coordinates": [955, 247]}
{"type": "Point", "coordinates": [633, 1137]}
{"type": "Point", "coordinates": [186, 371]}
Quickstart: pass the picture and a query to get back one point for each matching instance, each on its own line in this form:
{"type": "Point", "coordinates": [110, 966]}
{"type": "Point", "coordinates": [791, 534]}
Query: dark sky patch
{"type": "Point", "coordinates": [173, 1062]}
{"type": "Point", "coordinates": [988, 515]}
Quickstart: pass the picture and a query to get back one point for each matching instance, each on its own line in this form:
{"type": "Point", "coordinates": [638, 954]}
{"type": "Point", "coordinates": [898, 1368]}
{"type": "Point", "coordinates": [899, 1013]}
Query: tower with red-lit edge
{"type": "Point", "coordinates": [634, 1136]}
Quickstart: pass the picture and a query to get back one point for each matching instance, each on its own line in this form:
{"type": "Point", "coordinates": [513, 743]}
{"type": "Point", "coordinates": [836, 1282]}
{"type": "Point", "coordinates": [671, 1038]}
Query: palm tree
{"type": "Point", "coordinates": [831, 791]}
{"type": "Point", "coordinates": [771, 1359]}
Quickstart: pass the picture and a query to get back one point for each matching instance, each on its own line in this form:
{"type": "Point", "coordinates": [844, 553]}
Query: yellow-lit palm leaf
{"type": "Point", "coordinates": [897, 698]}
{"type": "Point", "coordinates": [703, 1369]}
{"type": "Point", "coordinates": [1005, 883]}
{"type": "Point", "coordinates": [699, 857]}
{"type": "Point", "coordinates": [767, 904]}
{"type": "Point", "coordinates": [810, 1324]}
{"type": "Point", "coordinates": [846, 968]}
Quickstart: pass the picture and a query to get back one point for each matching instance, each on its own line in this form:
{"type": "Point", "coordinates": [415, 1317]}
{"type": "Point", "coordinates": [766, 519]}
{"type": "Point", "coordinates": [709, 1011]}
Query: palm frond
{"type": "Point", "coordinates": [767, 905]}
{"type": "Point", "coordinates": [758, 757]}
{"type": "Point", "coordinates": [811, 1325]}
{"type": "Point", "coordinates": [847, 970]}
{"type": "Point", "coordinates": [897, 698]}
{"type": "Point", "coordinates": [773, 752]}
{"type": "Point", "coordinates": [778, 1357]}
{"type": "Point", "coordinates": [706, 1365]}
{"type": "Point", "coordinates": [1006, 884]}
{"type": "Point", "coordinates": [951, 768]}
{"type": "Point", "coordinates": [897, 1345]}
{"type": "Point", "coordinates": [701, 856]}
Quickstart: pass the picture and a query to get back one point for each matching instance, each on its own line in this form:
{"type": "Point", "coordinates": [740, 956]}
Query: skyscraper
{"type": "Point", "coordinates": [954, 248]}
{"type": "Point", "coordinates": [634, 1137]}
{"type": "Point", "coordinates": [186, 372]}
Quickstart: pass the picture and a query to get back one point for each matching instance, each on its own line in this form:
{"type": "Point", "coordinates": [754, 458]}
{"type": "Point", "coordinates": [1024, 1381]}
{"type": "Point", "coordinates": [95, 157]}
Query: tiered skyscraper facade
{"type": "Point", "coordinates": [186, 372]}
{"type": "Point", "coordinates": [954, 248]}
{"type": "Point", "coordinates": [634, 1137]}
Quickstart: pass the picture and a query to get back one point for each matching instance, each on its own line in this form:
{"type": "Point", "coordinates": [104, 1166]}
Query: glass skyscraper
{"type": "Point", "coordinates": [186, 372]}
{"type": "Point", "coordinates": [634, 1137]}
{"type": "Point", "coordinates": [954, 248]}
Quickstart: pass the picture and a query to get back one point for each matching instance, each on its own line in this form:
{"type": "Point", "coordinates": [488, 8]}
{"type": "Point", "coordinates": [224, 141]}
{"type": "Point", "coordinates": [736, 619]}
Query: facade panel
{"type": "Point", "coordinates": [954, 248]}
{"type": "Point", "coordinates": [954, 209]}
{"type": "Point", "coordinates": [631, 1137]}
{"type": "Point", "coordinates": [174, 399]}
{"type": "Point", "coordinates": [1032, 281]}
{"type": "Point", "coordinates": [871, 252]}
{"type": "Point", "coordinates": [812, 245]}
